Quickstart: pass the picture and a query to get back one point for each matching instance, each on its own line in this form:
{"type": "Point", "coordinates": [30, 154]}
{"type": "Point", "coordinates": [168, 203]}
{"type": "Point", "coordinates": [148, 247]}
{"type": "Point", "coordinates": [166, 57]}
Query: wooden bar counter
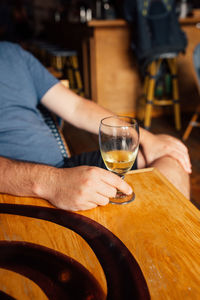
{"type": "Point", "coordinates": [154, 240]}
{"type": "Point", "coordinates": [112, 77]}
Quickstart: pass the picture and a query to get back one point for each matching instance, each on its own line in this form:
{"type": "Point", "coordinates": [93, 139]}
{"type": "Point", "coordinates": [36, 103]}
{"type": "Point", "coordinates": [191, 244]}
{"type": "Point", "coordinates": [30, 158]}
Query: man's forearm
{"type": "Point", "coordinates": [23, 179]}
{"type": "Point", "coordinates": [78, 111]}
{"type": "Point", "coordinates": [145, 135]}
{"type": "Point", "coordinates": [77, 188]}
{"type": "Point", "coordinates": [91, 115]}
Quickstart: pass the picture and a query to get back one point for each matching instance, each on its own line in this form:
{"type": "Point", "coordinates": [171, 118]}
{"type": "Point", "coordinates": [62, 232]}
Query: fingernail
{"type": "Point", "coordinates": [130, 191]}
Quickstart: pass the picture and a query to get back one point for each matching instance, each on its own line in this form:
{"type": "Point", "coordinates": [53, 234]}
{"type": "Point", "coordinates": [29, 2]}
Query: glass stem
{"type": "Point", "coordinates": [121, 176]}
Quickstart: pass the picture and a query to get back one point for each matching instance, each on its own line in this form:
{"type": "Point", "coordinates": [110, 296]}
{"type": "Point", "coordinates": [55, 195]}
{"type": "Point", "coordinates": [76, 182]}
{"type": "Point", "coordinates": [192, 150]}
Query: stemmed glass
{"type": "Point", "coordinates": [119, 143]}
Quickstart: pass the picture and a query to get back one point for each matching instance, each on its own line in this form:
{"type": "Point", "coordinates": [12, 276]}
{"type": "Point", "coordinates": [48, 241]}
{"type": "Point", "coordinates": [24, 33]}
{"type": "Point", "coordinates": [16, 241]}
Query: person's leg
{"type": "Point", "coordinates": [87, 158]}
{"type": "Point", "coordinates": [175, 173]}
{"type": "Point", "coordinates": [171, 169]}
{"type": "Point", "coordinates": [90, 159]}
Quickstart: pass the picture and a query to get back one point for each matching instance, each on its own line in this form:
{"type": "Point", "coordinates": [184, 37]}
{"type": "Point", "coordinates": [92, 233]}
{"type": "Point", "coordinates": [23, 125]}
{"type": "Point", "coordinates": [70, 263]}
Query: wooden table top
{"type": "Point", "coordinates": [159, 230]}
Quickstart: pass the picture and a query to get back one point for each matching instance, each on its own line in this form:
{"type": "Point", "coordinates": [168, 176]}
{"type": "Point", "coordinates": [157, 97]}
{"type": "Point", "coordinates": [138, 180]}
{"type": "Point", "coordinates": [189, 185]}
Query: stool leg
{"type": "Point", "coordinates": [177, 114]}
{"type": "Point", "coordinates": [70, 75]}
{"type": "Point", "coordinates": [150, 95]}
{"type": "Point", "coordinates": [190, 126]}
{"type": "Point", "coordinates": [59, 63]}
{"type": "Point", "coordinates": [142, 102]}
{"type": "Point", "coordinates": [77, 75]}
{"type": "Point", "coordinates": [146, 83]}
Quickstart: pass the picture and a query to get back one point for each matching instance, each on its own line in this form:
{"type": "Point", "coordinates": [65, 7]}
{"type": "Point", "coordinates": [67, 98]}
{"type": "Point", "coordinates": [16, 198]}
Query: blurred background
{"type": "Point", "coordinates": [28, 17]}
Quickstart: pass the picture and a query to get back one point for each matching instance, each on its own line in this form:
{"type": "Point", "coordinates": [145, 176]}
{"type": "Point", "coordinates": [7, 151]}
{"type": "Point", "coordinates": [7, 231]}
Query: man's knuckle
{"type": "Point", "coordinates": [85, 182]}
{"type": "Point", "coordinates": [92, 171]}
{"type": "Point", "coordinates": [105, 201]}
{"type": "Point", "coordinates": [114, 192]}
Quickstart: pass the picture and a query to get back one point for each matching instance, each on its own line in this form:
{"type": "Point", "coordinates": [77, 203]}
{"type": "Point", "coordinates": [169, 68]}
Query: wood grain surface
{"type": "Point", "coordinates": [161, 229]}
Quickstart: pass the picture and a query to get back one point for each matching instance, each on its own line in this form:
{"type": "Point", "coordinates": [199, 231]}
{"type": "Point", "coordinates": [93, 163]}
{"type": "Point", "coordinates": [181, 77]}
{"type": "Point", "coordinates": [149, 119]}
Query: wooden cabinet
{"type": "Point", "coordinates": [111, 77]}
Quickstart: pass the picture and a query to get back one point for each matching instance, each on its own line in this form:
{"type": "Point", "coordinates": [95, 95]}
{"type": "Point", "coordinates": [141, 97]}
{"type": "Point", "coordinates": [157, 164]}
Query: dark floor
{"type": "Point", "coordinates": [81, 141]}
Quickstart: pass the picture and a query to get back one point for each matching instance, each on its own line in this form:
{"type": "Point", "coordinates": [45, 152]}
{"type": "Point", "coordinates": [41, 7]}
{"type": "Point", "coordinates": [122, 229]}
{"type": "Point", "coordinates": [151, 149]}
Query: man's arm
{"type": "Point", "coordinates": [78, 111]}
{"type": "Point", "coordinates": [86, 114]}
{"type": "Point", "coordinates": [78, 188]}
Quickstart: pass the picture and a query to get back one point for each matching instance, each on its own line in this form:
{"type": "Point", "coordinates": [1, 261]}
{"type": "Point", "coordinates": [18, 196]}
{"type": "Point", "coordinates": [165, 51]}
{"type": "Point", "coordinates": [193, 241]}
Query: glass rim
{"type": "Point", "coordinates": [135, 123]}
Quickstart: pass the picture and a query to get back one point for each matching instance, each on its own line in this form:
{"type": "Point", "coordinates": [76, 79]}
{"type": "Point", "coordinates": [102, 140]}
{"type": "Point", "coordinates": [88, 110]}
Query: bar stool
{"type": "Point", "coordinates": [194, 122]}
{"type": "Point", "coordinates": [61, 62]}
{"type": "Point", "coordinates": [66, 62]}
{"type": "Point", "coordinates": [152, 74]}
{"type": "Point", "coordinates": [156, 38]}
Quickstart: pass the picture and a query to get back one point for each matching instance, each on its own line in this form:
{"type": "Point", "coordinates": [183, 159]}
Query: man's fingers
{"type": "Point", "coordinates": [76, 206]}
{"type": "Point", "coordinates": [106, 190]}
{"type": "Point", "coordinates": [95, 187]}
{"type": "Point", "coordinates": [184, 161]}
{"type": "Point", "coordinates": [100, 200]}
{"type": "Point", "coordinates": [117, 182]}
{"type": "Point", "coordinates": [176, 149]}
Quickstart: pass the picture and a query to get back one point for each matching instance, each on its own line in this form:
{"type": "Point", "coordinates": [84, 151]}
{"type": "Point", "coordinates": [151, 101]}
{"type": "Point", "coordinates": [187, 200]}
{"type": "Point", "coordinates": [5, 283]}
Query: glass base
{"type": "Point", "coordinates": [122, 198]}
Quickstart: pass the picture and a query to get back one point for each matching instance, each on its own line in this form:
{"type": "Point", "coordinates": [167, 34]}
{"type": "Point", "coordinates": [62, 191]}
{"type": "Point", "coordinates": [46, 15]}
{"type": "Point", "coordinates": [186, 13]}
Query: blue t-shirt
{"type": "Point", "coordinates": [23, 132]}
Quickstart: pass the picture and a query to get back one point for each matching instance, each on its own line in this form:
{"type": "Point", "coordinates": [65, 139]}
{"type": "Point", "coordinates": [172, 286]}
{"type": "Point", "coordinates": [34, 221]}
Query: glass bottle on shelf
{"type": "Point", "coordinates": [183, 9]}
{"type": "Point", "coordinates": [85, 13]}
{"type": "Point", "coordinates": [82, 14]}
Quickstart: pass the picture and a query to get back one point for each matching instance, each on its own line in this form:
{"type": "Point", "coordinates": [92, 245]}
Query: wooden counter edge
{"type": "Point", "coordinates": [107, 23]}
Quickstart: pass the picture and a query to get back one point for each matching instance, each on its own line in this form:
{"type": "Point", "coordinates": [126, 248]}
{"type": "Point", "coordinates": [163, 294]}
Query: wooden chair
{"type": "Point", "coordinates": [193, 122]}
{"type": "Point", "coordinates": [150, 88]}
{"type": "Point", "coordinates": [61, 62]}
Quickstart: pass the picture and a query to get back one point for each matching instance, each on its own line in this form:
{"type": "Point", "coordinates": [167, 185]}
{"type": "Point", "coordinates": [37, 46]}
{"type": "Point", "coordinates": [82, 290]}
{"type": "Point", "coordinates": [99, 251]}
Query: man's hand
{"type": "Point", "coordinates": [164, 145]}
{"type": "Point", "coordinates": [83, 187]}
